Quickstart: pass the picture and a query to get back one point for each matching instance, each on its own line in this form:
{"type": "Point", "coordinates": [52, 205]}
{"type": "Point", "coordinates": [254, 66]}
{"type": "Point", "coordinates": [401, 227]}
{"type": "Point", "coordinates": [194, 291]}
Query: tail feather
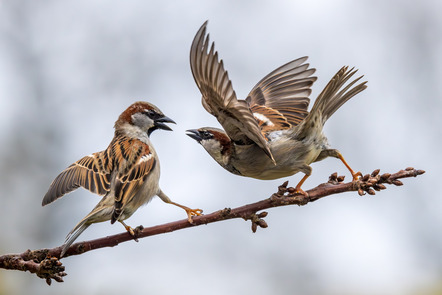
{"type": "Point", "coordinates": [336, 100]}
{"type": "Point", "coordinates": [331, 99]}
{"type": "Point", "coordinates": [101, 212]}
{"type": "Point", "coordinates": [73, 235]}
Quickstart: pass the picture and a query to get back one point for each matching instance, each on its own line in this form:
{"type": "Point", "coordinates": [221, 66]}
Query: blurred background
{"type": "Point", "coordinates": [69, 68]}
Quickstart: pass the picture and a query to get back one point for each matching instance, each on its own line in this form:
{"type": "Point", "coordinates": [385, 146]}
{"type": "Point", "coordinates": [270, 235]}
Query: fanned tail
{"type": "Point", "coordinates": [331, 99]}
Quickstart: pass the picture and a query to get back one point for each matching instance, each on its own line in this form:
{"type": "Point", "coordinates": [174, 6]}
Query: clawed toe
{"type": "Point", "coordinates": [356, 175]}
{"type": "Point", "coordinates": [196, 212]}
{"type": "Point", "coordinates": [133, 232]}
{"type": "Point", "coordinates": [193, 212]}
{"type": "Point", "coordinates": [300, 191]}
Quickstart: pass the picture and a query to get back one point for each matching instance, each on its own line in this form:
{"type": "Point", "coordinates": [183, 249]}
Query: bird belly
{"type": "Point", "coordinates": [290, 156]}
{"type": "Point", "coordinates": [145, 194]}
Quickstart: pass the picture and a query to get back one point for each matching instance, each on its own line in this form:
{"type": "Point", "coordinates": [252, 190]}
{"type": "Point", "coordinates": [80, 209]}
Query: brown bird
{"type": "Point", "coordinates": [126, 174]}
{"type": "Point", "coordinates": [270, 134]}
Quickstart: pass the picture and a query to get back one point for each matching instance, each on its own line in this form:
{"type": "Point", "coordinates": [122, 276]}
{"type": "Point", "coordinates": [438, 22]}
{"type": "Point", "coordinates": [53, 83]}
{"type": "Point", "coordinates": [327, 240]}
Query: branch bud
{"type": "Point", "coordinates": [397, 182]}
{"type": "Point", "coordinates": [262, 223]}
{"type": "Point", "coordinates": [376, 172]}
{"type": "Point", "coordinates": [254, 227]}
{"type": "Point", "coordinates": [262, 214]}
{"type": "Point", "coordinates": [341, 178]}
{"type": "Point", "coordinates": [381, 186]}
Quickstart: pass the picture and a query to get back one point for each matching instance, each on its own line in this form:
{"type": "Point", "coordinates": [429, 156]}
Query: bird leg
{"type": "Point", "coordinates": [336, 154]}
{"type": "Point", "coordinates": [298, 189]}
{"type": "Point", "coordinates": [190, 212]}
{"type": "Point", "coordinates": [308, 171]}
{"type": "Point", "coordinates": [355, 175]}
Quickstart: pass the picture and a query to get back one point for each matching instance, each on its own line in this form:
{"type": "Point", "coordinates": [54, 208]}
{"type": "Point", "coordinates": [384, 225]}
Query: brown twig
{"type": "Point", "coordinates": [45, 262]}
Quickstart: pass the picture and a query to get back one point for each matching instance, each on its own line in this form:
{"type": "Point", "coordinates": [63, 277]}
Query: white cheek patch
{"type": "Point", "coordinates": [263, 118]}
{"type": "Point", "coordinates": [142, 121]}
{"type": "Point", "coordinates": [213, 147]}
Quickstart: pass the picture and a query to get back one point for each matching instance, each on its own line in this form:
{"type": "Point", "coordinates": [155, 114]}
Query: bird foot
{"type": "Point", "coordinates": [133, 232]}
{"type": "Point", "coordinates": [300, 191]}
{"type": "Point", "coordinates": [193, 212]}
{"type": "Point", "coordinates": [356, 176]}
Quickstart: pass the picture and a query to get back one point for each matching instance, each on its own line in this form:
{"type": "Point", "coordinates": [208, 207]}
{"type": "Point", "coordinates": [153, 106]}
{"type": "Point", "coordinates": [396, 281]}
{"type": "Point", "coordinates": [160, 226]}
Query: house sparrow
{"type": "Point", "coordinates": [126, 174]}
{"type": "Point", "coordinates": [270, 134]}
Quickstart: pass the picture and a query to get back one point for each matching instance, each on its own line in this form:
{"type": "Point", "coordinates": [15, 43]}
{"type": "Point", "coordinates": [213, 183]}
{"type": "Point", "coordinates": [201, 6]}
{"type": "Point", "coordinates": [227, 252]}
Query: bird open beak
{"type": "Point", "coordinates": [194, 133]}
{"type": "Point", "coordinates": [159, 123]}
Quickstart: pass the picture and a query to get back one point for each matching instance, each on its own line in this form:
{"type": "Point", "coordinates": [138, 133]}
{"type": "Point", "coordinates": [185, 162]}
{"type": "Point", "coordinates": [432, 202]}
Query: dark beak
{"type": "Point", "coordinates": [194, 133]}
{"type": "Point", "coordinates": [159, 123]}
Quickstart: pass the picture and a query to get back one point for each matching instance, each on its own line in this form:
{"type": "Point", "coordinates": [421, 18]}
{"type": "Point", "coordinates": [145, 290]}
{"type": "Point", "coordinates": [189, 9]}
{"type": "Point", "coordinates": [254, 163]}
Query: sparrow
{"type": "Point", "coordinates": [270, 134]}
{"type": "Point", "coordinates": [126, 174]}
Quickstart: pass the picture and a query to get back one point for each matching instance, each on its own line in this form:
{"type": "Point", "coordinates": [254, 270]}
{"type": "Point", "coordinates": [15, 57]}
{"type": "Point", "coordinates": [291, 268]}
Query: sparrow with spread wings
{"type": "Point", "coordinates": [126, 174]}
{"type": "Point", "coordinates": [270, 134]}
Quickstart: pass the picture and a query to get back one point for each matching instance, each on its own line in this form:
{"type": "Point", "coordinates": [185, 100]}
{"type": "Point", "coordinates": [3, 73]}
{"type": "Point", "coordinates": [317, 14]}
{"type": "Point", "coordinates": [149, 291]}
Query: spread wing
{"type": "Point", "coordinates": [92, 172]}
{"type": "Point", "coordinates": [280, 100]}
{"type": "Point", "coordinates": [134, 162]}
{"type": "Point", "coordinates": [219, 98]}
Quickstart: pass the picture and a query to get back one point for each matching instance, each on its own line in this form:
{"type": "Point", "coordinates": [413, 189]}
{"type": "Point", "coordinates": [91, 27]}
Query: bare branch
{"type": "Point", "coordinates": [45, 263]}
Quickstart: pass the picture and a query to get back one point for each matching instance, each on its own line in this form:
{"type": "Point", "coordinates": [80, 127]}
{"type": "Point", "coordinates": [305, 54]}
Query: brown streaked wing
{"type": "Point", "coordinates": [286, 90]}
{"type": "Point", "coordinates": [219, 98]}
{"type": "Point", "coordinates": [269, 119]}
{"type": "Point", "coordinates": [91, 172]}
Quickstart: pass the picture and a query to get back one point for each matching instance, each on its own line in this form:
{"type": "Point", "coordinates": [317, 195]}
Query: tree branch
{"type": "Point", "coordinates": [45, 263]}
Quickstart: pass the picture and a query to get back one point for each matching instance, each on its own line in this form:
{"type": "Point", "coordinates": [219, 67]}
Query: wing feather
{"type": "Point", "coordinates": [218, 95]}
{"type": "Point", "coordinates": [269, 119]}
{"type": "Point", "coordinates": [286, 90]}
{"type": "Point", "coordinates": [86, 172]}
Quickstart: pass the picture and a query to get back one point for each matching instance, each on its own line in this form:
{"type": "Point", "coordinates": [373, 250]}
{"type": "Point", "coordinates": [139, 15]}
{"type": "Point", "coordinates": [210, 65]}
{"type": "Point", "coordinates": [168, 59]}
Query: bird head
{"type": "Point", "coordinates": [143, 116]}
{"type": "Point", "coordinates": [215, 141]}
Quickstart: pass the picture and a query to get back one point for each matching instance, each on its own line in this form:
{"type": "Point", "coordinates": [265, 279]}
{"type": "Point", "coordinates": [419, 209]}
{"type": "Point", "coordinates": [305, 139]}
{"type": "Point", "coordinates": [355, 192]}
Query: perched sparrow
{"type": "Point", "coordinates": [270, 134]}
{"type": "Point", "coordinates": [126, 174]}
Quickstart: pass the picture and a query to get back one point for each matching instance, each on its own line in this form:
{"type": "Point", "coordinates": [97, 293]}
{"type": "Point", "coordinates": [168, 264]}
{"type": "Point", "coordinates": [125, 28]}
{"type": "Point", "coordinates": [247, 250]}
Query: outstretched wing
{"type": "Point", "coordinates": [91, 172]}
{"type": "Point", "coordinates": [219, 98]}
{"type": "Point", "coordinates": [134, 163]}
{"type": "Point", "coordinates": [280, 100]}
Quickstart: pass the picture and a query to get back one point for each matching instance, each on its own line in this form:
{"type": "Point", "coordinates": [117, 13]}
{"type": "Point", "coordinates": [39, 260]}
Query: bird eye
{"type": "Point", "coordinates": [206, 134]}
{"type": "Point", "coordinates": [151, 113]}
